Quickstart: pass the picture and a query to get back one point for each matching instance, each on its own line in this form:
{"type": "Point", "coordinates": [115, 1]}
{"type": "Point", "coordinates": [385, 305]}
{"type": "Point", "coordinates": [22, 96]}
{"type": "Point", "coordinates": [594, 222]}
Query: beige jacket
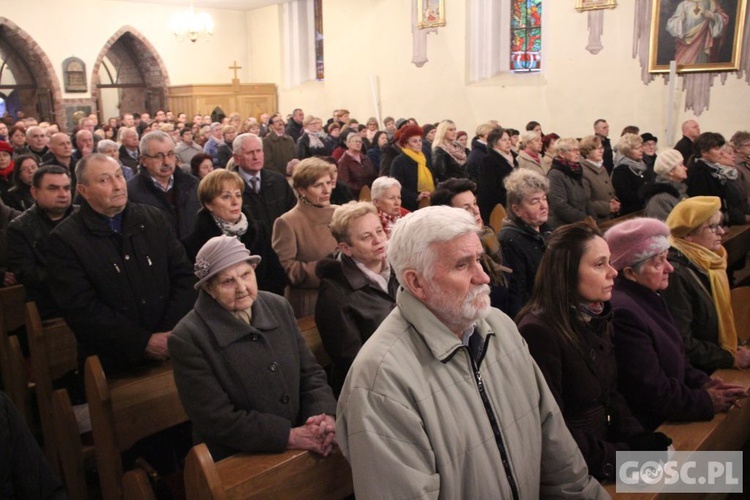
{"type": "Point", "coordinates": [599, 190]}
{"type": "Point", "coordinates": [525, 160]}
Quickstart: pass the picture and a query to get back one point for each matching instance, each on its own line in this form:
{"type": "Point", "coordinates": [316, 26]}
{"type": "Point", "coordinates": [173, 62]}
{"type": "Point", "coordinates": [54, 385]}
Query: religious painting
{"type": "Point", "coordinates": [583, 5]}
{"type": "Point", "coordinates": [699, 35]}
{"type": "Point", "coordinates": [74, 75]}
{"type": "Point", "coordinates": [430, 13]}
{"type": "Point", "coordinates": [525, 36]}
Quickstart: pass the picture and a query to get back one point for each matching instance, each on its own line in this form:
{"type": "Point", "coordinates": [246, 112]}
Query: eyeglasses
{"type": "Point", "coordinates": [714, 228]}
{"type": "Point", "coordinates": [161, 156]}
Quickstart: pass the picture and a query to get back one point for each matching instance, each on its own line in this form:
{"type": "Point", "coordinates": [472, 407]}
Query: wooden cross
{"type": "Point", "coordinates": [235, 68]}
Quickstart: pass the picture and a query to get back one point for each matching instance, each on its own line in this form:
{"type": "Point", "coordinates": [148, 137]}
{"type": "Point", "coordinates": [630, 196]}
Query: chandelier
{"type": "Point", "coordinates": [191, 25]}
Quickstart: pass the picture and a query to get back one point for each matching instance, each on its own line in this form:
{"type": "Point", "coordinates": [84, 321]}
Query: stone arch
{"type": "Point", "coordinates": [143, 79]}
{"type": "Point", "coordinates": [39, 92]}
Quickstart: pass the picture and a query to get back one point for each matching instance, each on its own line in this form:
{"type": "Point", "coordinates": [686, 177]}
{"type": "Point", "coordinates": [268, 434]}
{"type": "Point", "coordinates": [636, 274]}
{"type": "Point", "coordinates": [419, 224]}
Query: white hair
{"type": "Point", "coordinates": [154, 135]}
{"type": "Point", "coordinates": [240, 140]}
{"type": "Point", "coordinates": [105, 144]}
{"type": "Point", "coordinates": [412, 242]}
{"type": "Point", "coordinates": [381, 185]}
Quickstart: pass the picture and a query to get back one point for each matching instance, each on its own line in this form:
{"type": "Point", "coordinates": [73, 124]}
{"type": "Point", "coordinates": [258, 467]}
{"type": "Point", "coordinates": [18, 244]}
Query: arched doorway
{"type": "Point", "coordinates": [128, 76]}
{"type": "Point", "coordinates": [27, 80]}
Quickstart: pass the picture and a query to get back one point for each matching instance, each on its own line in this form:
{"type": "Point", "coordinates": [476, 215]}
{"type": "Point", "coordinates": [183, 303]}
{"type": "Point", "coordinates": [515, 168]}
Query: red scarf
{"type": "Point", "coordinates": [5, 174]}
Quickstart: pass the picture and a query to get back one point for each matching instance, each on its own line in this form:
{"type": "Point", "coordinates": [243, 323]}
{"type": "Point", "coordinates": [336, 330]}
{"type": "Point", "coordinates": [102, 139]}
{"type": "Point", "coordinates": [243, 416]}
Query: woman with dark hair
{"type": "Point", "coordinates": [354, 168]}
{"type": "Point", "coordinates": [655, 375]}
{"type": "Point", "coordinates": [7, 166]}
{"type": "Point", "coordinates": [17, 139]}
{"type": "Point", "coordinates": [379, 141]}
{"type": "Point", "coordinates": [19, 196]}
{"type": "Point", "coordinates": [630, 176]}
{"type": "Point", "coordinates": [411, 169]}
{"type": "Point", "coordinates": [567, 325]}
{"type": "Point", "coordinates": [463, 139]}
{"type": "Point", "coordinates": [340, 144]}
{"type": "Point", "coordinates": [199, 165]}
{"type": "Point", "coordinates": [707, 177]}
{"type": "Point", "coordinates": [548, 150]}
{"type": "Point", "coordinates": [535, 126]}
{"type": "Point", "coordinates": [568, 201]}
{"type": "Point", "coordinates": [429, 130]}
{"type": "Point", "coordinates": [493, 169]}
{"type": "Point", "coordinates": [448, 156]}
{"type": "Point", "coordinates": [461, 193]}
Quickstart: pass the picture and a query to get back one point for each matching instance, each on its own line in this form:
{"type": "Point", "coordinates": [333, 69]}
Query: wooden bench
{"type": "Point", "coordinates": [54, 353]}
{"type": "Point", "coordinates": [310, 332]}
{"type": "Point", "coordinates": [736, 242]}
{"type": "Point", "coordinates": [497, 216]}
{"type": "Point", "coordinates": [294, 474]}
{"type": "Point", "coordinates": [725, 432]}
{"type": "Point", "coordinates": [613, 222]}
{"type": "Point", "coordinates": [14, 372]}
{"type": "Point", "coordinates": [72, 454]}
{"type": "Point", "coordinates": [125, 410]}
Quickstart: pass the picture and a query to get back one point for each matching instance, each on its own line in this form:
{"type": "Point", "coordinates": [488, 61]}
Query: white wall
{"type": "Point", "coordinates": [574, 89]}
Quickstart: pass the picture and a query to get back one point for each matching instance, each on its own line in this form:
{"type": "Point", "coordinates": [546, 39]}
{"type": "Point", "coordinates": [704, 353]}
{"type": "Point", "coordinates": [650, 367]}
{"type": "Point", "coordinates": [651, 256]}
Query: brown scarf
{"type": "Point", "coordinates": [457, 151]}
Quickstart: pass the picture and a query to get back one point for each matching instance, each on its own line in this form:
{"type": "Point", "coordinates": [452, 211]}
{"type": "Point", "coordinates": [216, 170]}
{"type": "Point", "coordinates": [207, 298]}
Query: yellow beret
{"type": "Point", "coordinates": [691, 213]}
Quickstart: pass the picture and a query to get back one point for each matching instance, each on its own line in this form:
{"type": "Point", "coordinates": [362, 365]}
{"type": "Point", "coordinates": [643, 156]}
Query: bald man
{"type": "Point", "coordinates": [690, 131]}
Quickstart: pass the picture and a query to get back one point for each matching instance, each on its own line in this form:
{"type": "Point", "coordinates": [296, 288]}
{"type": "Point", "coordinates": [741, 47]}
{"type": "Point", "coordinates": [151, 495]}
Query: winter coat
{"type": "Point", "coordinates": [493, 169]}
{"type": "Point", "coordinates": [568, 202]}
{"type": "Point", "coordinates": [523, 249]}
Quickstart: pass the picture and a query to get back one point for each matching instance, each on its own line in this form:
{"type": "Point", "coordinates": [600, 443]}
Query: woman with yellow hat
{"type": "Point", "coordinates": [698, 292]}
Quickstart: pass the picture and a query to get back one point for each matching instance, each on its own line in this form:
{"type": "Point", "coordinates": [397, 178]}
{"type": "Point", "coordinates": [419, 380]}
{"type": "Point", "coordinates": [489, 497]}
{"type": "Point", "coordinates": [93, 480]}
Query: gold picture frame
{"type": "Point", "coordinates": [584, 5]}
{"type": "Point", "coordinates": [430, 13]}
{"type": "Point", "coordinates": [711, 42]}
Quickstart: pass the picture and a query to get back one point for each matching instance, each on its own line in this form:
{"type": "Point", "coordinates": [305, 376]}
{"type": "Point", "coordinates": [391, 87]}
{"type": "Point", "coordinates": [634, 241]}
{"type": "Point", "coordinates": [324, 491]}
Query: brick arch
{"type": "Point", "coordinates": [141, 64]}
{"type": "Point", "coordinates": [31, 66]}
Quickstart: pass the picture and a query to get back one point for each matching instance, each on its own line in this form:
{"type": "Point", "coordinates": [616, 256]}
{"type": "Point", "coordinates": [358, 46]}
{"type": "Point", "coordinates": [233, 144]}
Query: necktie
{"type": "Point", "coordinates": [254, 184]}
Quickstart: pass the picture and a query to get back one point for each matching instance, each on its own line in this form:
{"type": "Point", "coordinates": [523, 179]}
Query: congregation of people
{"type": "Point", "coordinates": [467, 360]}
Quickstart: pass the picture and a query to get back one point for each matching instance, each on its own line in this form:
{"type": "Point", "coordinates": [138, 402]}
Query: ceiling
{"type": "Point", "coordinates": [216, 4]}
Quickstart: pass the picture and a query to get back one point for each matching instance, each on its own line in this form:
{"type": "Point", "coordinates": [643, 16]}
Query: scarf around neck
{"type": "Point", "coordinates": [570, 168]}
{"type": "Point", "coordinates": [637, 167]}
{"type": "Point", "coordinates": [5, 174]}
{"type": "Point", "coordinates": [232, 228]}
{"type": "Point", "coordinates": [315, 139]}
{"type": "Point", "coordinates": [715, 265]}
{"type": "Point", "coordinates": [425, 181]}
{"type": "Point", "coordinates": [457, 152]}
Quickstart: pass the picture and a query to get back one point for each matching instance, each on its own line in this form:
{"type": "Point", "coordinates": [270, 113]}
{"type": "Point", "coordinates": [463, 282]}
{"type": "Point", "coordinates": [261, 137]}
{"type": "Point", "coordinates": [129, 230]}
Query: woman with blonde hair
{"type": "Point", "coordinates": [311, 142]}
{"type": "Point", "coordinates": [630, 175]}
{"type": "Point", "coordinates": [531, 156]}
{"type": "Point", "coordinates": [301, 237]}
{"type": "Point", "coordinates": [448, 155]}
{"type": "Point", "coordinates": [596, 181]}
{"type": "Point", "coordinates": [568, 202]}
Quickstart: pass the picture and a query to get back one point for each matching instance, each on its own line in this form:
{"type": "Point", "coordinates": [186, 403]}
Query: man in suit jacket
{"type": "Point", "coordinates": [267, 193]}
{"type": "Point", "coordinates": [129, 152]}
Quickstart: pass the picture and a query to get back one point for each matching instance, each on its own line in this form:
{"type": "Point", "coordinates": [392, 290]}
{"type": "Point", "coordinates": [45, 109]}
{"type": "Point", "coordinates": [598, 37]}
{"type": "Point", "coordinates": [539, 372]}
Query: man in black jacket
{"type": "Point", "coordinates": [122, 281]}
{"type": "Point", "coordinates": [159, 184]}
{"type": "Point", "coordinates": [29, 232]}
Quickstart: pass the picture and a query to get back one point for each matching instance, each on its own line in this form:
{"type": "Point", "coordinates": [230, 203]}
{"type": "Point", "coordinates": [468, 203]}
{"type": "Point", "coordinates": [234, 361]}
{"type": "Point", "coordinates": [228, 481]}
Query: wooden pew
{"type": "Point", "coordinates": [14, 373]}
{"type": "Point", "coordinates": [725, 432]}
{"type": "Point", "coordinates": [612, 222]}
{"type": "Point", "coordinates": [310, 332]}
{"type": "Point", "coordinates": [125, 410]}
{"type": "Point", "coordinates": [54, 353]}
{"type": "Point", "coordinates": [72, 453]}
{"type": "Point", "coordinates": [497, 216]}
{"type": "Point", "coordinates": [292, 475]}
{"type": "Point", "coordinates": [736, 241]}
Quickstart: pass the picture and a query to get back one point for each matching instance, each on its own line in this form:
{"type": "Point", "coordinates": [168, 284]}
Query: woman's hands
{"type": "Point", "coordinates": [317, 435]}
{"type": "Point", "coordinates": [742, 358]}
{"type": "Point", "coordinates": [723, 396]}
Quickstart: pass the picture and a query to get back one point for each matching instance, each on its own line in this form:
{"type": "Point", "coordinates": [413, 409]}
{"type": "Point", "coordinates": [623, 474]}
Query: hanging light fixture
{"type": "Point", "coordinates": [191, 25]}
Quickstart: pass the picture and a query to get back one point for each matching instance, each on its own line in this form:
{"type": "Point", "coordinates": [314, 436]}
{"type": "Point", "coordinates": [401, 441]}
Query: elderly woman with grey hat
{"type": "Point", "coordinates": [245, 375]}
{"type": "Point", "coordinates": [668, 188]}
{"type": "Point", "coordinates": [654, 373]}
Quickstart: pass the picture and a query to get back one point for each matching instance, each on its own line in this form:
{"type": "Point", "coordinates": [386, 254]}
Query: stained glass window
{"type": "Point", "coordinates": [526, 35]}
{"type": "Point", "coordinates": [319, 66]}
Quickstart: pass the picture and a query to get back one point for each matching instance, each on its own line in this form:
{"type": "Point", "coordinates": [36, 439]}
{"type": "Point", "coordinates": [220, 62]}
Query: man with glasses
{"type": "Point", "coordinates": [159, 184]}
{"type": "Point", "coordinates": [122, 281]}
{"type": "Point", "coordinates": [278, 147]}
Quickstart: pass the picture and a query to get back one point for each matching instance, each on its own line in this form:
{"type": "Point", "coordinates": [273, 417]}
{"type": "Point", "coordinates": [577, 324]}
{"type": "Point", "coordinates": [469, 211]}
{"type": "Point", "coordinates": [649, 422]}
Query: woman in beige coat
{"type": "Point", "coordinates": [301, 236]}
{"type": "Point", "coordinates": [596, 182]}
{"type": "Point", "coordinates": [531, 156]}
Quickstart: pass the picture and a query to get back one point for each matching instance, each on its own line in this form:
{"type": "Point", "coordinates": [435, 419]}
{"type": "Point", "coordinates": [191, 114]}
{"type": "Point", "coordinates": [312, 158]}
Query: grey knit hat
{"type": "Point", "coordinates": [666, 161]}
{"type": "Point", "coordinates": [220, 253]}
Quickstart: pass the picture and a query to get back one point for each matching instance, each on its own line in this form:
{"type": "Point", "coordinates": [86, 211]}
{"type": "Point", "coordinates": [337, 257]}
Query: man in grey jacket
{"type": "Point", "coordinates": [444, 400]}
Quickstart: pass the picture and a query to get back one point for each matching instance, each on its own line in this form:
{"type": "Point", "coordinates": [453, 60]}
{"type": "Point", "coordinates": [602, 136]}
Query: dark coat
{"type": "Point", "coordinates": [304, 150]}
{"type": "Point", "coordinates": [350, 308]}
{"type": "Point", "coordinates": [653, 371]}
{"type": "Point", "coordinates": [608, 158]}
{"type": "Point", "coordinates": [685, 147]}
{"type": "Point", "coordinates": [245, 387]}
{"type": "Point", "coordinates": [341, 194]}
{"type": "Point", "coordinates": [629, 186]}
{"type": "Point", "coordinates": [702, 182]}
{"type": "Point", "coordinates": [181, 212]}
{"type": "Point", "coordinates": [568, 202]}
{"type": "Point", "coordinates": [584, 383]}
{"type": "Point", "coordinates": [269, 273]}
{"type": "Point", "coordinates": [662, 196]}
{"type": "Point", "coordinates": [24, 471]}
{"type": "Point", "coordinates": [478, 151]}
{"type": "Point", "coordinates": [356, 174]}
{"type": "Point", "coordinates": [274, 199]}
{"type": "Point", "coordinates": [224, 153]}
{"type": "Point", "coordinates": [116, 289]}
{"type": "Point", "coordinates": [7, 214]}
{"type": "Point", "coordinates": [128, 160]}
{"type": "Point", "coordinates": [523, 249]}
{"type": "Point", "coordinates": [19, 197]}
{"type": "Point", "coordinates": [388, 154]}
{"type": "Point", "coordinates": [404, 170]}
{"type": "Point", "coordinates": [293, 129]}
{"type": "Point", "coordinates": [446, 167]}
{"type": "Point", "coordinates": [493, 169]}
{"type": "Point", "coordinates": [688, 297]}
{"type": "Point", "coordinates": [27, 256]}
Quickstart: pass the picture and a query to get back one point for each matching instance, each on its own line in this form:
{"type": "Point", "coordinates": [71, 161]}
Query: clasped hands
{"type": "Point", "coordinates": [724, 396]}
{"type": "Point", "coordinates": [317, 435]}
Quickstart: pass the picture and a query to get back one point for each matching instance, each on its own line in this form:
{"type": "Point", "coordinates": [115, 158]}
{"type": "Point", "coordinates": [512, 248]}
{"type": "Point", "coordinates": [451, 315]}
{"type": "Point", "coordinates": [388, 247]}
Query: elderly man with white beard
{"type": "Point", "coordinates": [444, 400]}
